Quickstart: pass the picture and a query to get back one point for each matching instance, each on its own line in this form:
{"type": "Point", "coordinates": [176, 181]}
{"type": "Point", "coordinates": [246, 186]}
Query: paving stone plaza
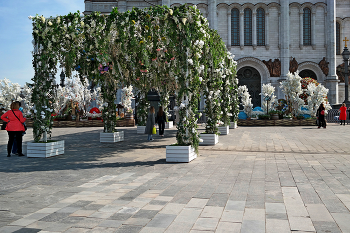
{"type": "Point", "coordinates": [257, 179]}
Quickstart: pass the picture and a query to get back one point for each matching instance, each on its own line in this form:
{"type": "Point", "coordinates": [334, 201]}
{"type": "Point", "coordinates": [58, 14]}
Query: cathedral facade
{"type": "Point", "coordinates": [271, 37]}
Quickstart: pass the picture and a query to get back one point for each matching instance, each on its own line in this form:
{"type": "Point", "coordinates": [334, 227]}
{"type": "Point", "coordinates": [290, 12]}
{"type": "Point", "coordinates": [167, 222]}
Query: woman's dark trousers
{"type": "Point", "coordinates": [12, 136]}
{"type": "Point", "coordinates": [161, 127]}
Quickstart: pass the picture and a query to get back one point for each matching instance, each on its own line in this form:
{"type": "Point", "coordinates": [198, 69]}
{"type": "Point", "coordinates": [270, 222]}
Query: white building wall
{"type": "Point", "coordinates": [311, 55]}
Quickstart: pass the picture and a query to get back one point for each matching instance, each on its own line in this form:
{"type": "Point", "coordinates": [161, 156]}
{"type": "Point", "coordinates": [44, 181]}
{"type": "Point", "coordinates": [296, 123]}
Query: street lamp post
{"type": "Point", "coordinates": [62, 77]}
{"type": "Point", "coordinates": [346, 55]}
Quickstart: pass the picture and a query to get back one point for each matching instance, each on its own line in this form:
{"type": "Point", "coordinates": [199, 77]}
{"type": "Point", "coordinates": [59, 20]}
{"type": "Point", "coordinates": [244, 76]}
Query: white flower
{"type": "Point", "coordinates": [42, 116]}
{"type": "Point", "coordinates": [190, 61]}
{"type": "Point", "coordinates": [171, 11]}
{"type": "Point", "coordinates": [200, 140]}
{"type": "Point", "coordinates": [182, 105]}
{"type": "Point", "coordinates": [43, 19]}
{"type": "Point", "coordinates": [30, 17]}
{"type": "Point", "coordinates": [58, 19]}
{"type": "Point", "coordinates": [82, 23]}
{"type": "Point", "coordinates": [184, 20]}
{"type": "Point", "coordinates": [42, 113]}
{"type": "Point", "coordinates": [49, 23]}
{"type": "Point", "coordinates": [43, 127]}
{"type": "Point", "coordinates": [35, 111]}
{"type": "Point", "coordinates": [200, 79]}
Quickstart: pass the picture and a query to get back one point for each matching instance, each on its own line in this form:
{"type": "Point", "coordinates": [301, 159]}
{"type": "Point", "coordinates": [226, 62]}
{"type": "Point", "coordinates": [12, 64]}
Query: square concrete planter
{"type": "Point", "coordinates": [141, 129]}
{"type": "Point", "coordinates": [224, 130]}
{"type": "Point", "coordinates": [208, 139]}
{"type": "Point", "coordinates": [45, 149]}
{"type": "Point", "coordinates": [169, 124]}
{"type": "Point", "coordinates": [233, 125]}
{"type": "Point", "coordinates": [112, 137]}
{"type": "Point", "coordinates": [180, 154]}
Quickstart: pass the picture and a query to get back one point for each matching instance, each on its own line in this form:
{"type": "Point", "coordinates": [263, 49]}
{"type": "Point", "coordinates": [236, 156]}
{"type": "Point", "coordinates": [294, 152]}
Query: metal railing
{"type": "Point", "coordinates": [331, 116]}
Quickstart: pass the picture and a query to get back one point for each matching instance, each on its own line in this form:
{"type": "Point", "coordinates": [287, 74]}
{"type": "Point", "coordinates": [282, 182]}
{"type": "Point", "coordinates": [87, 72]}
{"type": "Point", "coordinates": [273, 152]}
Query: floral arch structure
{"type": "Point", "coordinates": [170, 50]}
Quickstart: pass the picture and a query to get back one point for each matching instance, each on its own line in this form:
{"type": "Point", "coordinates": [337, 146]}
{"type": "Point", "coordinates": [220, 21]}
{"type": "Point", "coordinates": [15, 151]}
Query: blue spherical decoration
{"type": "Point", "coordinates": [258, 109]}
{"type": "Point", "coordinates": [242, 116]}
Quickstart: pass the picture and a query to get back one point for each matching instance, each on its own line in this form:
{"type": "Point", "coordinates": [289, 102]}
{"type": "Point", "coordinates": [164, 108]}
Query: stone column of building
{"type": "Point", "coordinates": [166, 3]}
{"type": "Point", "coordinates": [212, 16]}
{"type": "Point", "coordinates": [301, 37]}
{"type": "Point", "coordinates": [332, 80]}
{"type": "Point", "coordinates": [241, 29]}
{"type": "Point", "coordinates": [267, 31]}
{"type": "Point", "coordinates": [313, 29]}
{"type": "Point", "coordinates": [254, 29]}
{"type": "Point", "coordinates": [229, 28]}
{"type": "Point", "coordinates": [122, 6]}
{"type": "Point", "coordinates": [284, 35]}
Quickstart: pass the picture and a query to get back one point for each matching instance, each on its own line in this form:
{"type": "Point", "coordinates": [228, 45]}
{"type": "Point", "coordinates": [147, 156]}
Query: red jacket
{"type": "Point", "coordinates": [342, 116]}
{"type": "Point", "coordinates": [13, 123]}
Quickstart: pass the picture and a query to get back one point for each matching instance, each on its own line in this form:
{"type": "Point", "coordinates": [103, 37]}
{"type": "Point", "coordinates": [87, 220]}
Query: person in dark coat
{"type": "Point", "coordinates": [161, 119]}
{"type": "Point", "coordinates": [151, 121]}
{"type": "Point", "coordinates": [320, 116]}
{"type": "Point", "coordinates": [14, 127]}
{"type": "Point", "coordinates": [342, 116]}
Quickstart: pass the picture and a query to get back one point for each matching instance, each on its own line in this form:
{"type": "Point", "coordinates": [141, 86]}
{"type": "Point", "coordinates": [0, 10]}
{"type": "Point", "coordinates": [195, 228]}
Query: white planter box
{"type": "Point", "coordinates": [169, 124]}
{"type": "Point", "coordinates": [112, 137]}
{"type": "Point", "coordinates": [45, 150]}
{"type": "Point", "coordinates": [180, 154]}
{"type": "Point", "coordinates": [141, 129]}
{"type": "Point", "coordinates": [233, 125]}
{"type": "Point", "coordinates": [224, 130]}
{"type": "Point", "coordinates": [208, 139]}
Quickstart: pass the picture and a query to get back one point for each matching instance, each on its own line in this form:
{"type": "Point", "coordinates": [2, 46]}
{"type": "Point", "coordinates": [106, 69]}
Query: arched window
{"type": "Point", "coordinates": [260, 26]}
{"type": "Point", "coordinates": [248, 27]}
{"type": "Point", "coordinates": [235, 27]}
{"type": "Point", "coordinates": [338, 37]}
{"type": "Point", "coordinates": [307, 26]}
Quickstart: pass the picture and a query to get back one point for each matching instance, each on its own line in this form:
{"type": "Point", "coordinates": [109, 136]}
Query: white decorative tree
{"type": "Point", "coordinates": [126, 97]}
{"type": "Point", "coordinates": [317, 95]}
{"type": "Point", "coordinates": [268, 91]}
{"type": "Point", "coordinates": [75, 91]}
{"type": "Point", "coordinates": [291, 87]}
{"type": "Point", "coordinates": [9, 92]}
{"type": "Point", "coordinates": [246, 100]}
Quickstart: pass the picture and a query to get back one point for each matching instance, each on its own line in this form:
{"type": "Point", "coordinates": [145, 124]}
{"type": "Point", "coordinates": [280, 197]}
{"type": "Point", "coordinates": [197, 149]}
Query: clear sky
{"type": "Point", "coordinates": [16, 33]}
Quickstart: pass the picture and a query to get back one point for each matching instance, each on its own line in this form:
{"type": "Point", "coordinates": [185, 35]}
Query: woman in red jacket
{"type": "Point", "coordinates": [342, 116]}
{"type": "Point", "coordinates": [14, 127]}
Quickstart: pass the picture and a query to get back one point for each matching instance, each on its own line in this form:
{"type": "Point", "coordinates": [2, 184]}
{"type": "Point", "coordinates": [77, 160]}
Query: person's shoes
{"type": "Point", "coordinates": [8, 155]}
{"type": "Point", "coordinates": [152, 139]}
{"type": "Point", "coordinates": [21, 155]}
{"type": "Point", "coordinates": [319, 127]}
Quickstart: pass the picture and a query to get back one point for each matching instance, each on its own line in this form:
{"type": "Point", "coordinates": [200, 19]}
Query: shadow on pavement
{"type": "Point", "coordinates": [83, 150]}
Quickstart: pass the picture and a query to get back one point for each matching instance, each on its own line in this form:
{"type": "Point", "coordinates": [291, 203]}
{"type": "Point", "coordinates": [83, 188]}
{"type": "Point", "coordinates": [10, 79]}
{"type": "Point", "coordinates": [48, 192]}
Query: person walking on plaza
{"type": "Point", "coordinates": [161, 119]}
{"type": "Point", "coordinates": [150, 123]}
{"type": "Point", "coordinates": [14, 127]}
{"type": "Point", "coordinates": [342, 115]}
{"type": "Point", "coordinates": [14, 146]}
{"type": "Point", "coordinates": [320, 116]}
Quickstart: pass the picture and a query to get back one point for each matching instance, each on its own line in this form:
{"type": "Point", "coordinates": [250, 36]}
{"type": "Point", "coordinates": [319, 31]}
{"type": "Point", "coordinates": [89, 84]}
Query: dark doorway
{"type": "Point", "coordinates": [250, 77]}
{"type": "Point", "coordinates": [308, 74]}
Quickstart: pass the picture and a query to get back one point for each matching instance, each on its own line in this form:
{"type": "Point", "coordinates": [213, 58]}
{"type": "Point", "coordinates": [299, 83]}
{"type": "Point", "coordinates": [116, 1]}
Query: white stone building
{"type": "Point", "coordinates": [271, 37]}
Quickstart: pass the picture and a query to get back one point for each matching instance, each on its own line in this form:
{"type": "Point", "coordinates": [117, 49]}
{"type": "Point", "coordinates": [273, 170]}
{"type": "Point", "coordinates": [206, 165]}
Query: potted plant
{"type": "Point", "coordinates": [274, 114]}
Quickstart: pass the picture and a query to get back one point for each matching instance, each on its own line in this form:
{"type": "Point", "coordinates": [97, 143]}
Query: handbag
{"type": "Point", "coordinates": [25, 127]}
{"type": "Point", "coordinates": [3, 126]}
{"type": "Point", "coordinates": [154, 130]}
